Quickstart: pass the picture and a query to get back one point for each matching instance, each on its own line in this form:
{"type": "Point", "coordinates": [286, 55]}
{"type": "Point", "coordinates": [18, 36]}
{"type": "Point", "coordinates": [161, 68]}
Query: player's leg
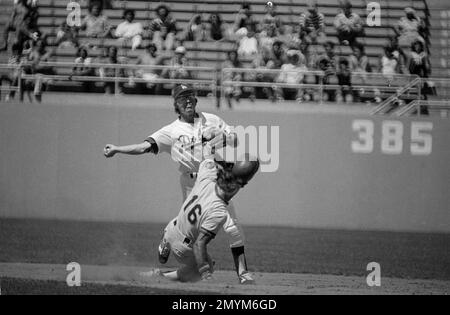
{"type": "Point", "coordinates": [189, 271]}
{"type": "Point", "coordinates": [164, 247]}
{"type": "Point", "coordinates": [236, 240]}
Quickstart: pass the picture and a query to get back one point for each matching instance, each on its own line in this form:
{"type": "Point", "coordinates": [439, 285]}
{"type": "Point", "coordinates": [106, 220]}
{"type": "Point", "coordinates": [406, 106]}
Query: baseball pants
{"type": "Point", "coordinates": [181, 248]}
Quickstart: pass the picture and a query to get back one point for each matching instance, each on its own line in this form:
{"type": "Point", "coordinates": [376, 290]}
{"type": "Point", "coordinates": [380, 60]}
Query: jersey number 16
{"type": "Point", "coordinates": [195, 210]}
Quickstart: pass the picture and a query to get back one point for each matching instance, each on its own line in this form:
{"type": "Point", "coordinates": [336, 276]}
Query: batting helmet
{"type": "Point", "coordinates": [245, 168]}
{"type": "Point", "coordinates": [235, 175]}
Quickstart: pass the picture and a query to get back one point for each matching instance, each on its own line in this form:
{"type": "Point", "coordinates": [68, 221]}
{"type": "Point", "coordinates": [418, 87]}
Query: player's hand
{"type": "Point", "coordinates": [210, 132]}
{"type": "Point", "coordinates": [207, 276]}
{"type": "Point", "coordinates": [110, 150]}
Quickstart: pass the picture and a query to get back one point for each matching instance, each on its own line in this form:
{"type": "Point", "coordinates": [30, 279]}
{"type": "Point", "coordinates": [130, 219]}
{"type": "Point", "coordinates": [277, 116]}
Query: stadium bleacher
{"type": "Point", "coordinates": [53, 13]}
{"type": "Point", "coordinates": [212, 54]}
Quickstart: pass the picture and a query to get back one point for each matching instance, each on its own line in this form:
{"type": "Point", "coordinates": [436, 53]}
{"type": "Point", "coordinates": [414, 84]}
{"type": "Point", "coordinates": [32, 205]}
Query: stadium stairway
{"type": "Point", "coordinates": [440, 42]}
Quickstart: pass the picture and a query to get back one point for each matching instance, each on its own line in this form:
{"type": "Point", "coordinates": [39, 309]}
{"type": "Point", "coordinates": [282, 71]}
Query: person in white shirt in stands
{"type": "Point", "coordinates": [129, 30]}
{"type": "Point", "coordinates": [248, 45]}
{"type": "Point", "coordinates": [83, 68]}
{"type": "Point", "coordinates": [292, 72]}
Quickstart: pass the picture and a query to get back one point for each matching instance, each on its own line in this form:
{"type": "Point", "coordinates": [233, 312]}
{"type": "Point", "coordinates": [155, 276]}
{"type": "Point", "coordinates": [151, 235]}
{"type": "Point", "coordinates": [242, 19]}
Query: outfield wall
{"type": "Point", "coordinates": [52, 167]}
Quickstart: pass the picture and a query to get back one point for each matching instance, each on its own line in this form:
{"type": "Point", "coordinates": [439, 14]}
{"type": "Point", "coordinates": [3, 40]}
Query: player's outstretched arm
{"type": "Point", "coordinates": [134, 149]}
{"type": "Point", "coordinates": [201, 255]}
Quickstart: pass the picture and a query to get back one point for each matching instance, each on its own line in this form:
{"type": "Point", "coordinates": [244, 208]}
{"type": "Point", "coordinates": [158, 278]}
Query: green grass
{"type": "Point", "coordinates": [269, 249]}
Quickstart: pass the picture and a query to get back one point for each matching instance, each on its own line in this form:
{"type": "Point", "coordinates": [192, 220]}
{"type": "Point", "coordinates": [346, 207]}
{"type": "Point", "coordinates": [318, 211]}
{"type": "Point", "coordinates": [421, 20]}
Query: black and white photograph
{"type": "Point", "coordinates": [224, 155]}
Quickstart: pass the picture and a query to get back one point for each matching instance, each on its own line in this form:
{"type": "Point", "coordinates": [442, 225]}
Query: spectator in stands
{"type": "Point", "coordinates": [111, 57]}
{"type": "Point", "coordinates": [232, 91]}
{"type": "Point", "coordinates": [359, 66]}
{"type": "Point", "coordinates": [267, 38]}
{"type": "Point", "coordinates": [359, 62]}
{"type": "Point", "coordinates": [275, 62]}
{"type": "Point", "coordinates": [248, 45]}
{"type": "Point", "coordinates": [278, 57]}
{"type": "Point", "coordinates": [312, 24]}
{"type": "Point", "coordinates": [418, 61]}
{"type": "Point", "coordinates": [164, 29]}
{"type": "Point", "coordinates": [196, 29]}
{"type": "Point", "coordinates": [271, 18]}
{"type": "Point", "coordinates": [419, 64]}
{"type": "Point", "coordinates": [38, 55]}
{"type": "Point", "coordinates": [23, 22]}
{"type": "Point", "coordinates": [344, 75]}
{"type": "Point", "coordinates": [216, 30]}
{"type": "Point", "coordinates": [329, 64]}
{"type": "Point", "coordinates": [129, 30]}
{"type": "Point", "coordinates": [244, 21]}
{"type": "Point", "coordinates": [179, 63]}
{"type": "Point", "coordinates": [399, 53]}
{"type": "Point", "coordinates": [409, 28]}
{"type": "Point", "coordinates": [83, 68]}
{"type": "Point", "coordinates": [292, 72]}
{"type": "Point", "coordinates": [291, 36]}
{"type": "Point", "coordinates": [330, 55]}
{"type": "Point", "coordinates": [67, 36]}
{"type": "Point", "coordinates": [12, 77]}
{"type": "Point", "coordinates": [96, 24]}
{"type": "Point", "coordinates": [349, 25]}
{"type": "Point", "coordinates": [150, 58]}
{"type": "Point", "coordinates": [310, 54]}
{"type": "Point", "coordinates": [388, 63]}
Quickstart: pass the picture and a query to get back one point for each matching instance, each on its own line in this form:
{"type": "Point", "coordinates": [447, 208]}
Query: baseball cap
{"type": "Point", "coordinates": [181, 90]}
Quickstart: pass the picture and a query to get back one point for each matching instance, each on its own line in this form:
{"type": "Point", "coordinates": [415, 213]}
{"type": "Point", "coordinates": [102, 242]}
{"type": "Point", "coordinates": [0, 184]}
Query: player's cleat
{"type": "Point", "coordinates": [163, 251]}
{"type": "Point", "coordinates": [246, 278]}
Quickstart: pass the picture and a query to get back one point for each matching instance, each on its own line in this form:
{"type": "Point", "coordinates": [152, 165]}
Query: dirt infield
{"type": "Point", "coordinates": [107, 278]}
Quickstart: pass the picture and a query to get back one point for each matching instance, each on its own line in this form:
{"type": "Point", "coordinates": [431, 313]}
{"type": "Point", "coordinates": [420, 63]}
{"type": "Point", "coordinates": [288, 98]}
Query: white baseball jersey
{"type": "Point", "coordinates": [184, 137]}
{"type": "Point", "coordinates": [203, 210]}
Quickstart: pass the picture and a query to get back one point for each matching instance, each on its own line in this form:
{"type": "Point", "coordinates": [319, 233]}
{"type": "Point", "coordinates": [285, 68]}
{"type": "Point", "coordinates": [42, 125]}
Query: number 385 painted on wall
{"type": "Point", "coordinates": [394, 139]}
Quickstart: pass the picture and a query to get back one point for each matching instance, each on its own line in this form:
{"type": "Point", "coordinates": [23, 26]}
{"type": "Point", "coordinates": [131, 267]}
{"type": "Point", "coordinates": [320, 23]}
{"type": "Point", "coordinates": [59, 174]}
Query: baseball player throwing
{"type": "Point", "coordinates": [188, 131]}
{"type": "Point", "coordinates": [201, 217]}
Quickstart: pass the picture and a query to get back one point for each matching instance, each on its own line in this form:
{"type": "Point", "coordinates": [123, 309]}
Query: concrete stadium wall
{"type": "Point", "coordinates": [52, 167]}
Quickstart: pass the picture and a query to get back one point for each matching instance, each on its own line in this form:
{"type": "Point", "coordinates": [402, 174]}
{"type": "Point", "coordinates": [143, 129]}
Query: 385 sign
{"type": "Point", "coordinates": [395, 137]}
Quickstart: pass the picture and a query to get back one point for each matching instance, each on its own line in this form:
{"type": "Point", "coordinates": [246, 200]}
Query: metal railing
{"type": "Point", "coordinates": [386, 105]}
{"type": "Point", "coordinates": [438, 99]}
{"type": "Point", "coordinates": [416, 107]}
{"type": "Point", "coordinates": [391, 86]}
{"type": "Point", "coordinates": [117, 78]}
{"type": "Point", "coordinates": [375, 84]}
{"type": "Point", "coordinates": [10, 88]}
